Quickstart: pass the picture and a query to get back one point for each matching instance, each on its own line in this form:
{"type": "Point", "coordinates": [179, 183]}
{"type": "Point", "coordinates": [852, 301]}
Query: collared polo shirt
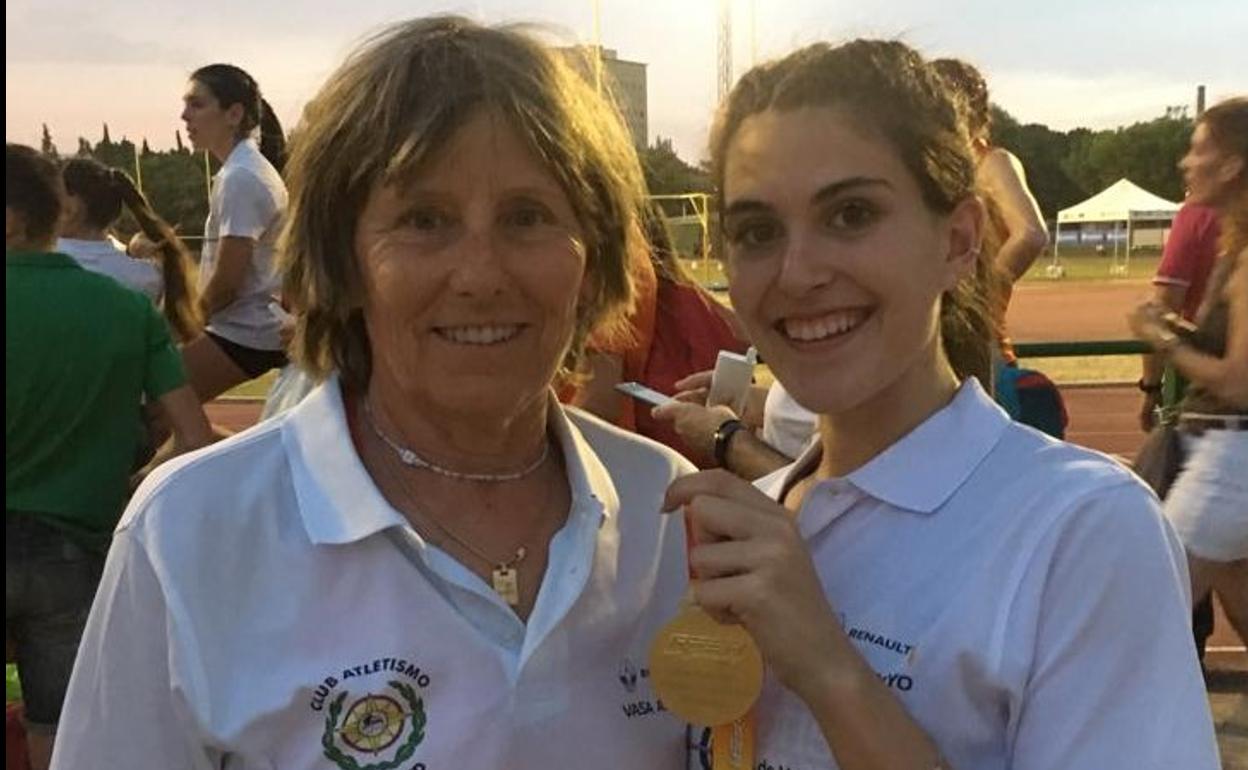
{"type": "Point", "coordinates": [248, 200]}
{"type": "Point", "coordinates": [1022, 597]}
{"type": "Point", "coordinates": [264, 607]}
{"type": "Point", "coordinates": [81, 351]}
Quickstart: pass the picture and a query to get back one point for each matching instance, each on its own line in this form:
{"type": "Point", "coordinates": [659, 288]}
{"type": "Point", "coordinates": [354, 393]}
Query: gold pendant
{"type": "Point", "coordinates": [705, 672]}
{"type": "Point", "coordinates": [506, 584]}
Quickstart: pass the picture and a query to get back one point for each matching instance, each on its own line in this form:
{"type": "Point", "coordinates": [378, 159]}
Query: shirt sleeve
{"type": "Point", "coordinates": [123, 708]}
{"type": "Point", "coordinates": [247, 206]}
{"type": "Point", "coordinates": [1112, 681]}
{"type": "Point", "coordinates": [164, 371]}
{"type": "Point", "coordinates": [1178, 261]}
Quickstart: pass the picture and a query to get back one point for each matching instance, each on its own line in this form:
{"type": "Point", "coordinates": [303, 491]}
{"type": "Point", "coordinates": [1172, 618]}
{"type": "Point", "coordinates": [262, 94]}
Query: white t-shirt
{"type": "Point", "coordinates": [106, 258]}
{"type": "Point", "coordinates": [1022, 597]}
{"type": "Point", "coordinates": [787, 425]}
{"type": "Point", "coordinates": [248, 201]}
{"type": "Point", "coordinates": [263, 606]}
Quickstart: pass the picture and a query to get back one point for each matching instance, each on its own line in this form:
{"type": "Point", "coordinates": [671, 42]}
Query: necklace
{"type": "Point", "coordinates": [410, 458]}
{"type": "Point", "coordinates": [504, 578]}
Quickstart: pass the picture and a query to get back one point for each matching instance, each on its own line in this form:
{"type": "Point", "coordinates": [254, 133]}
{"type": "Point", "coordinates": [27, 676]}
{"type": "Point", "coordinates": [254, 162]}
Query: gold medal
{"type": "Point", "coordinates": [705, 672]}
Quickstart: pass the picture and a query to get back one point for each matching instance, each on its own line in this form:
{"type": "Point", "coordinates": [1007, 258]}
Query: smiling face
{"type": "Point", "coordinates": [1208, 171]}
{"type": "Point", "coordinates": [209, 127]}
{"type": "Point", "coordinates": [471, 272]}
{"type": "Point", "coordinates": [837, 265]}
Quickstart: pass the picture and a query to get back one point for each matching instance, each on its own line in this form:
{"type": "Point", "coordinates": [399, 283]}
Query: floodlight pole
{"type": "Point", "coordinates": [597, 46]}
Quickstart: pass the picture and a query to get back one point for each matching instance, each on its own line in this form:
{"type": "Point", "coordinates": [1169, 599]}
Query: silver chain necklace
{"type": "Point", "coordinates": [411, 459]}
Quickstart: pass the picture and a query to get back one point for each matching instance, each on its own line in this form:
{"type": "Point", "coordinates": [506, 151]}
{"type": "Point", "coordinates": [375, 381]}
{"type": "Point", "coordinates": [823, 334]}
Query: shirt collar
{"type": "Point", "coordinates": [924, 468]}
{"type": "Point", "coordinates": [245, 147]}
{"type": "Point", "coordinates": [40, 259]}
{"type": "Point", "coordinates": [339, 502]}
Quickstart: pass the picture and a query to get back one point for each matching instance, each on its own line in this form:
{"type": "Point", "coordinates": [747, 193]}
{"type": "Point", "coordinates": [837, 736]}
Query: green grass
{"type": "Point", "coordinates": [257, 388]}
{"type": "Point", "coordinates": [1086, 267]}
{"type": "Point", "coordinates": [1079, 268]}
{"type": "Point", "coordinates": [1087, 368]}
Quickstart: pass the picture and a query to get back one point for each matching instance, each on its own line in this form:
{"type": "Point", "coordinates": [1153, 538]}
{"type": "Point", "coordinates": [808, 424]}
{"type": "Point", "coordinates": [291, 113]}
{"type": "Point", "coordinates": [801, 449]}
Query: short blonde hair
{"type": "Point", "coordinates": [391, 106]}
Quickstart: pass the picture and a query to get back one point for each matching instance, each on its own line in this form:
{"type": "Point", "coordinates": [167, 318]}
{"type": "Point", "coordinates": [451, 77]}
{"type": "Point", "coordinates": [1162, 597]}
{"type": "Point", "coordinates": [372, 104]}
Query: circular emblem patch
{"type": "Point", "coordinates": [373, 723]}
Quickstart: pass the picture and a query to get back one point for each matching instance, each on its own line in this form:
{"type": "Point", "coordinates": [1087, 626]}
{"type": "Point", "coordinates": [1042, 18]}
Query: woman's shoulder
{"type": "Point", "coordinates": [622, 450]}
{"type": "Point", "coordinates": [1032, 454]}
{"type": "Point", "coordinates": [211, 488]}
{"type": "Point", "coordinates": [1048, 482]}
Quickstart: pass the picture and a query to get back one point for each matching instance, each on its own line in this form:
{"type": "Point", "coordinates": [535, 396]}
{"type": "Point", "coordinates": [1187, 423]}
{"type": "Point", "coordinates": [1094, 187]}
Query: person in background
{"type": "Point", "coordinates": [1179, 286]}
{"type": "Point", "coordinates": [95, 197]}
{"type": "Point", "coordinates": [931, 584]}
{"type": "Point", "coordinates": [81, 352]}
{"type": "Point", "coordinates": [1014, 237]}
{"type": "Point", "coordinates": [223, 112]}
{"type": "Point", "coordinates": [428, 539]}
{"type": "Point", "coordinates": [676, 329]}
{"type": "Point", "coordinates": [1208, 502]}
{"type": "Point", "coordinates": [771, 432]}
{"type": "Point", "coordinates": [1016, 234]}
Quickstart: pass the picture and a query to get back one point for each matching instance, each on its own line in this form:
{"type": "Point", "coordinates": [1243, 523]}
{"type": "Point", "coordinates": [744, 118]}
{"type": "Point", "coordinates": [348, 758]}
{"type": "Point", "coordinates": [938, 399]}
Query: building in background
{"type": "Point", "coordinates": [626, 81]}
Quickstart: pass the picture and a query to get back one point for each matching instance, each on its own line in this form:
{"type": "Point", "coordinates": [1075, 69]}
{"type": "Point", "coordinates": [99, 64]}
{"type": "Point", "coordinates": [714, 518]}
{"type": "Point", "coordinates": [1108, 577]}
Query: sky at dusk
{"type": "Point", "coordinates": [75, 64]}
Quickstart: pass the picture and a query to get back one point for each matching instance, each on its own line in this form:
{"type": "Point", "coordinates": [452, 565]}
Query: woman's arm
{"type": "Point", "coordinates": [753, 568]}
{"type": "Point", "coordinates": [1001, 175]}
{"type": "Point", "coordinates": [233, 260]}
{"type": "Point", "coordinates": [1225, 377]}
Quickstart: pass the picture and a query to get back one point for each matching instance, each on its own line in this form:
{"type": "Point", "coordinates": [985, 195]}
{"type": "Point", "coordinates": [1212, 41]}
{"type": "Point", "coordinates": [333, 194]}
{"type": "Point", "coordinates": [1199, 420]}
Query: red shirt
{"type": "Point", "coordinates": [1191, 251]}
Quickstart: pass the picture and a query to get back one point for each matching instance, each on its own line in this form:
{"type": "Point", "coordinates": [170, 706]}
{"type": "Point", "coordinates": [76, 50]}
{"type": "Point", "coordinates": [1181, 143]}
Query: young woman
{"type": "Point", "coordinates": [223, 113]}
{"type": "Point", "coordinates": [1208, 503]}
{"type": "Point", "coordinates": [931, 584]}
{"type": "Point", "coordinates": [95, 195]}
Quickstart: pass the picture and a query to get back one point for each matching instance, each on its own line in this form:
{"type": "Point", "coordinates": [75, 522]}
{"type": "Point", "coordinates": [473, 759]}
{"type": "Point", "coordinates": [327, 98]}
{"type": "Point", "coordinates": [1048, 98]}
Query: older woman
{"type": "Point", "coordinates": [427, 563]}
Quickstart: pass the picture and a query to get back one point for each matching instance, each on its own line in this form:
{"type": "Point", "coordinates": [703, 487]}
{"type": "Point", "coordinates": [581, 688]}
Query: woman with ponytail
{"type": "Point", "coordinates": [95, 197]}
{"type": "Point", "coordinates": [226, 116]}
{"type": "Point", "coordinates": [930, 584]}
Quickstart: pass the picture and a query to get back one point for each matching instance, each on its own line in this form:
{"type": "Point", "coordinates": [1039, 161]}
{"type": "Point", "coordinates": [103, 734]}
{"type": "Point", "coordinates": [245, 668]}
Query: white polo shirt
{"type": "Point", "coordinates": [788, 426]}
{"type": "Point", "coordinates": [108, 258]}
{"type": "Point", "coordinates": [248, 200]}
{"type": "Point", "coordinates": [1022, 597]}
{"type": "Point", "coordinates": [257, 611]}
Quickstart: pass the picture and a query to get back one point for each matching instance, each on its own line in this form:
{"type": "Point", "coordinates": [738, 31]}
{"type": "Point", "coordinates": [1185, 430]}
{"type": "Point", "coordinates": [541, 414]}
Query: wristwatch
{"type": "Point", "coordinates": [1153, 388]}
{"type": "Point", "coordinates": [723, 436]}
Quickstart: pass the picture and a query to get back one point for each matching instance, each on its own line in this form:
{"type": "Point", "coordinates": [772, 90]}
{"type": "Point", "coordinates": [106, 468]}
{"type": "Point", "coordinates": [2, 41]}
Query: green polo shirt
{"type": "Point", "coordinates": [81, 351]}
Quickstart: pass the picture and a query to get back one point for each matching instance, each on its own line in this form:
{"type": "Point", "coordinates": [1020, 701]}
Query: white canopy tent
{"type": "Point", "coordinates": [1123, 201]}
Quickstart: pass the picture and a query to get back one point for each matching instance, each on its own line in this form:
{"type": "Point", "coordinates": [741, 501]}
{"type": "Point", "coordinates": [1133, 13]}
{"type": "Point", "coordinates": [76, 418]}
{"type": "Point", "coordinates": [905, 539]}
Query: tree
{"type": "Point", "coordinates": [84, 147]}
{"type": "Point", "coordinates": [146, 150]}
{"type": "Point", "coordinates": [177, 138]}
{"type": "Point", "coordinates": [667, 174]}
{"type": "Point", "coordinates": [1064, 168]}
{"type": "Point", "coordinates": [46, 145]}
{"type": "Point", "coordinates": [105, 140]}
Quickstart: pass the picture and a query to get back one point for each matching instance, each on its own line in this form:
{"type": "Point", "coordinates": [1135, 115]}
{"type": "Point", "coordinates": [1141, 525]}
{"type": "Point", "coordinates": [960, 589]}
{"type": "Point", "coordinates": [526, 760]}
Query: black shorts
{"type": "Point", "coordinates": [253, 362]}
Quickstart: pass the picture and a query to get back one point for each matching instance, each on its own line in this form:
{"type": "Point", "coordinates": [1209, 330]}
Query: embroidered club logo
{"type": "Point", "coordinates": [371, 726]}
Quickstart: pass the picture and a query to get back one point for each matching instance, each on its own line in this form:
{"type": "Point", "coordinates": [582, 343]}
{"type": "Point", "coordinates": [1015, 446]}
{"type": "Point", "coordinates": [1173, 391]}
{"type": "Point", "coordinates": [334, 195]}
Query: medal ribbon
{"type": "Point", "coordinates": [732, 744]}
